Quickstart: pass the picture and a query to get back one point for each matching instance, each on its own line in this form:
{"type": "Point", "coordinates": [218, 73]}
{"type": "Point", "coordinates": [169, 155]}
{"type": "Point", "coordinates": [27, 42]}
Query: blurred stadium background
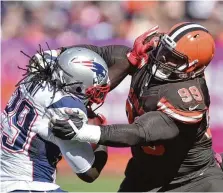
{"type": "Point", "coordinates": [27, 24]}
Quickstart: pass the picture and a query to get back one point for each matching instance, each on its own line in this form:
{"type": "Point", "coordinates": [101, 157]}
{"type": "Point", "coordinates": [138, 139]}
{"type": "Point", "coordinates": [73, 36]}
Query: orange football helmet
{"type": "Point", "coordinates": [183, 53]}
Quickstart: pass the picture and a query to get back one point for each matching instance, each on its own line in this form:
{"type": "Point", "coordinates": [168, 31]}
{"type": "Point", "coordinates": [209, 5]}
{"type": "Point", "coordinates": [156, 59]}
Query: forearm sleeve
{"type": "Point", "coordinates": [79, 155]}
{"type": "Point", "coordinates": [150, 127]}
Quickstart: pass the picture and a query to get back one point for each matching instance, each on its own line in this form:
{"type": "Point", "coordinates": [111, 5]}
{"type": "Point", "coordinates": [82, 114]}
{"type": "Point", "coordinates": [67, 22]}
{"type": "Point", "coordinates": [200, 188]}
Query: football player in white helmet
{"type": "Point", "coordinates": [29, 152]}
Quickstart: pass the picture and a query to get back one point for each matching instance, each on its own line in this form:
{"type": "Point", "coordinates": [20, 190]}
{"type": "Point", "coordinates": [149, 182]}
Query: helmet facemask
{"type": "Point", "coordinates": [97, 94]}
{"type": "Point", "coordinates": [167, 63]}
{"type": "Point", "coordinates": [93, 94]}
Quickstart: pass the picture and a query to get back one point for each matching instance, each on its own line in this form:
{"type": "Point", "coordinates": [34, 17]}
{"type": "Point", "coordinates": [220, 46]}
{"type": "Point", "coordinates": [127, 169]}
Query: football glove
{"type": "Point", "coordinates": [95, 119]}
{"type": "Point", "coordinates": [138, 56]}
{"type": "Point", "coordinates": [75, 128]}
{"type": "Point", "coordinates": [62, 128]}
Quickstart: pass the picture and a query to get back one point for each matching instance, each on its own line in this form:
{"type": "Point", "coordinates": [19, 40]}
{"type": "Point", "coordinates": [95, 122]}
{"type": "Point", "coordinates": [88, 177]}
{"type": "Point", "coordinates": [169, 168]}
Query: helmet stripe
{"type": "Point", "coordinates": [179, 27]}
{"type": "Point", "coordinates": [185, 29]}
{"type": "Point", "coordinates": [189, 30]}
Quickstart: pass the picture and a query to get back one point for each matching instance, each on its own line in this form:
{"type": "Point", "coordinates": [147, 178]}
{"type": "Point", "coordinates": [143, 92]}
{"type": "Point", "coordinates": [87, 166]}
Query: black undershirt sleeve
{"type": "Point", "coordinates": [116, 59]}
{"type": "Point", "coordinates": [150, 127]}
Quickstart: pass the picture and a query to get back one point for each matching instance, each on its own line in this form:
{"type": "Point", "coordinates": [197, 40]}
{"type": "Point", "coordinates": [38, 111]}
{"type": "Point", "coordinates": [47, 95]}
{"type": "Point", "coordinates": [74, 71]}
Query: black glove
{"type": "Point", "coordinates": [63, 129]}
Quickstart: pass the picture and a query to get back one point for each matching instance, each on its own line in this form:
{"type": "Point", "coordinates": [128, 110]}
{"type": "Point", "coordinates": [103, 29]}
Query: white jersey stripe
{"type": "Point", "coordinates": [192, 119]}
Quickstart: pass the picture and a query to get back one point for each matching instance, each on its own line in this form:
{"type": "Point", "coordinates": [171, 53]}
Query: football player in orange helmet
{"type": "Point", "coordinates": [183, 53]}
{"type": "Point", "coordinates": [167, 109]}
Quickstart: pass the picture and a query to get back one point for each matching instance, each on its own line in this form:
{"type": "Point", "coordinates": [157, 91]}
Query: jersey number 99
{"type": "Point", "coordinates": [187, 95]}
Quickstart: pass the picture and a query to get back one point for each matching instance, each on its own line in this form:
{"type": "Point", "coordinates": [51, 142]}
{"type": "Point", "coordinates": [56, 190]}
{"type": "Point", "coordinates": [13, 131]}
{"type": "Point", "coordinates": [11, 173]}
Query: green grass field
{"type": "Point", "coordinates": [109, 180]}
{"type": "Point", "coordinates": [104, 183]}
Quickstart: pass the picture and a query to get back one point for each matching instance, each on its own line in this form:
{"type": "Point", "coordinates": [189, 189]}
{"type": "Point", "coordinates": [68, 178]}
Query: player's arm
{"type": "Point", "coordinates": [93, 173]}
{"type": "Point", "coordinates": [121, 60]}
{"type": "Point", "coordinates": [85, 162]}
{"type": "Point", "coordinates": [115, 57]}
{"type": "Point", "coordinates": [163, 124]}
{"type": "Point", "coordinates": [81, 158]}
{"type": "Point", "coordinates": [100, 151]}
{"type": "Point", "coordinates": [150, 127]}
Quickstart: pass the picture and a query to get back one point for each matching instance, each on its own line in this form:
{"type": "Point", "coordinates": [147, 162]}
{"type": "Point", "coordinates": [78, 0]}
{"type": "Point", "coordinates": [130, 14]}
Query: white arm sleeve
{"type": "Point", "coordinates": [79, 155]}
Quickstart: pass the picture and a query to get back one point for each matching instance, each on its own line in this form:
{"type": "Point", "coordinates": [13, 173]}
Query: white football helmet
{"type": "Point", "coordinates": [83, 73]}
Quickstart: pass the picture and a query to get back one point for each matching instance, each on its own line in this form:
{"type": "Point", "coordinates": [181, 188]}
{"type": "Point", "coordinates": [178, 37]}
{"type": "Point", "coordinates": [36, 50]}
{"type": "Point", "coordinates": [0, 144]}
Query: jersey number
{"type": "Point", "coordinates": [187, 95]}
{"type": "Point", "coordinates": [21, 116]}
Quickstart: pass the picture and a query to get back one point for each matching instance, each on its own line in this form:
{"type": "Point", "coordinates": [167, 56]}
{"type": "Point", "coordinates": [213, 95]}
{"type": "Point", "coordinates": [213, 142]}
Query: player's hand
{"type": "Point", "coordinates": [66, 129]}
{"type": "Point", "coordinates": [75, 127]}
{"type": "Point", "coordinates": [102, 119]}
{"type": "Point", "coordinates": [138, 56]}
{"type": "Point", "coordinates": [95, 119]}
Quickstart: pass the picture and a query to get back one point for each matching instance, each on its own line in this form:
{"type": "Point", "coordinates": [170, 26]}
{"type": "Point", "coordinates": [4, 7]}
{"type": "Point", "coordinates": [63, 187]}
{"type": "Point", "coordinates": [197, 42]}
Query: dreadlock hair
{"type": "Point", "coordinates": [37, 74]}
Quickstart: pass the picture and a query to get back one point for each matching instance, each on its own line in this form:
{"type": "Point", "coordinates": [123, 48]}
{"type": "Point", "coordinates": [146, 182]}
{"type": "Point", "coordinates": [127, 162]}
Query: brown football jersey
{"type": "Point", "coordinates": [187, 103]}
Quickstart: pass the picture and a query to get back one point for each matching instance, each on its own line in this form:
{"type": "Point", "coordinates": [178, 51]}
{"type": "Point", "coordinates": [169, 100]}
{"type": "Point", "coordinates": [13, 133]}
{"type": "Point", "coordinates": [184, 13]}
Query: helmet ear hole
{"type": "Point", "coordinates": [197, 35]}
{"type": "Point", "coordinates": [78, 89]}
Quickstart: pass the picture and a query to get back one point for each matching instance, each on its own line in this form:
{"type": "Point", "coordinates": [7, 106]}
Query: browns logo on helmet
{"type": "Point", "coordinates": [183, 53]}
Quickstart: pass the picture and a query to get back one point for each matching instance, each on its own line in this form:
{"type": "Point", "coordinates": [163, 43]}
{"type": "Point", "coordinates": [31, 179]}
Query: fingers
{"type": "Point", "coordinates": [148, 46]}
{"type": "Point", "coordinates": [102, 119]}
{"type": "Point", "coordinates": [58, 130]}
{"type": "Point", "coordinates": [62, 134]}
{"type": "Point", "coordinates": [74, 113]}
{"type": "Point", "coordinates": [150, 32]}
{"type": "Point", "coordinates": [73, 126]}
{"type": "Point", "coordinates": [58, 122]}
{"type": "Point", "coordinates": [69, 111]}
